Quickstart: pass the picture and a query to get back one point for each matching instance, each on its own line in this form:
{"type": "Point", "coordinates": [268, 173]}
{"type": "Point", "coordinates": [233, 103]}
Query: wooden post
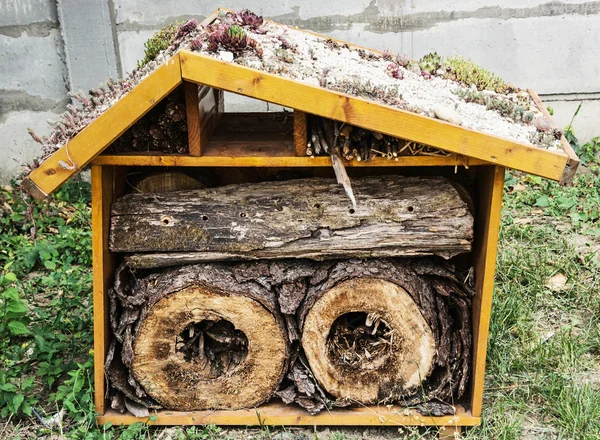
{"type": "Point", "coordinates": [490, 184]}
{"type": "Point", "coordinates": [103, 268]}
{"type": "Point", "coordinates": [300, 133]}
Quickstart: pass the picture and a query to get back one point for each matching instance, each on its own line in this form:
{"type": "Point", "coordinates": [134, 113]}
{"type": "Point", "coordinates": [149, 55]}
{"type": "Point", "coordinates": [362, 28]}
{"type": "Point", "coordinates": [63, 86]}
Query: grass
{"type": "Point", "coordinates": [543, 374]}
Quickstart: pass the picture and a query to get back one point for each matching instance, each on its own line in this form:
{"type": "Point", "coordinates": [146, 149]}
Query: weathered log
{"type": "Point", "coordinates": [307, 218]}
{"type": "Point", "coordinates": [366, 340]}
{"type": "Point", "coordinates": [201, 340]}
{"type": "Point", "coordinates": [291, 290]}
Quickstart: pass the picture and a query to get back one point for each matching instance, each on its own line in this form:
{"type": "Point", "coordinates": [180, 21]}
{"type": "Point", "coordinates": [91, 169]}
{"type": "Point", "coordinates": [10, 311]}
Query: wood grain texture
{"type": "Point", "coordinates": [237, 158]}
{"type": "Point", "coordinates": [573, 162]}
{"type": "Point", "coordinates": [103, 267]}
{"type": "Point", "coordinates": [490, 183]}
{"type": "Point", "coordinates": [300, 133]}
{"type": "Point", "coordinates": [90, 142]}
{"type": "Point", "coordinates": [157, 359]}
{"type": "Point", "coordinates": [411, 354]}
{"type": "Point", "coordinates": [192, 110]}
{"type": "Point", "coordinates": [278, 414]}
{"type": "Point", "coordinates": [370, 115]}
{"type": "Point", "coordinates": [307, 218]}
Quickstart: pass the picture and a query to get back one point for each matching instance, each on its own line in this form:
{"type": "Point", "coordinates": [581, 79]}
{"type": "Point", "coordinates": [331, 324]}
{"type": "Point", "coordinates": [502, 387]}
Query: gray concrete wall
{"type": "Point", "coordinates": [50, 46]}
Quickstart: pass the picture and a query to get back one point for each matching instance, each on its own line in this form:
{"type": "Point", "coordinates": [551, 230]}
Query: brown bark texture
{"type": "Point", "coordinates": [304, 218]}
{"type": "Point", "coordinates": [288, 290]}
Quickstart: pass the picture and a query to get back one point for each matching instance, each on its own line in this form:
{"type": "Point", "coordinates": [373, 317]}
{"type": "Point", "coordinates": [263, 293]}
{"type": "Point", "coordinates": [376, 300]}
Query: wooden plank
{"type": "Point", "coordinates": [278, 414]}
{"type": "Point", "coordinates": [573, 162]}
{"type": "Point", "coordinates": [290, 161]}
{"type": "Point", "coordinates": [103, 268]}
{"type": "Point", "coordinates": [490, 187]}
{"type": "Point", "coordinates": [300, 133]}
{"type": "Point", "coordinates": [370, 115]}
{"type": "Point", "coordinates": [193, 118]}
{"type": "Point", "coordinates": [90, 142]}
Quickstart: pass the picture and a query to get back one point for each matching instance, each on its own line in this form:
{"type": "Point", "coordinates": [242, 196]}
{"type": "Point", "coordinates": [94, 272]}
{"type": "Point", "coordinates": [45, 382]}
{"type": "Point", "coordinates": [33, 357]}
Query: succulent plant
{"type": "Point", "coordinates": [248, 18]}
{"type": "Point", "coordinates": [466, 71]}
{"type": "Point", "coordinates": [387, 55]}
{"type": "Point", "coordinates": [394, 71]}
{"type": "Point", "coordinates": [232, 38]}
{"type": "Point", "coordinates": [541, 124]}
{"type": "Point", "coordinates": [515, 111]}
{"type": "Point", "coordinates": [402, 59]}
{"type": "Point", "coordinates": [186, 28]}
{"type": "Point", "coordinates": [196, 44]}
{"type": "Point", "coordinates": [158, 42]}
{"type": "Point", "coordinates": [430, 63]}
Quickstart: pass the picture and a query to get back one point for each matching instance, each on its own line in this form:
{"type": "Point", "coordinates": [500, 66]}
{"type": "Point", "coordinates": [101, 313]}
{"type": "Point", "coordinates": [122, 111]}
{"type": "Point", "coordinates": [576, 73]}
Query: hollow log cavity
{"type": "Point", "coordinates": [366, 341]}
{"type": "Point", "coordinates": [209, 345]}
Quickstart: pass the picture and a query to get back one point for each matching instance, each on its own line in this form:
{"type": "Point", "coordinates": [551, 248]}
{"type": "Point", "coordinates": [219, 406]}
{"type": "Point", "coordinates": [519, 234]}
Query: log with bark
{"type": "Point", "coordinates": [305, 218]}
{"type": "Point", "coordinates": [319, 334]}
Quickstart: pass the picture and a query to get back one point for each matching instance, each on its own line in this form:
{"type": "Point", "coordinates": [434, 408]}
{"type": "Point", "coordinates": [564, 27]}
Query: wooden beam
{"type": "Point", "coordinates": [490, 188]}
{"type": "Point", "coordinates": [192, 107]}
{"type": "Point", "coordinates": [103, 268]}
{"type": "Point", "coordinates": [370, 115]}
{"type": "Point", "coordinates": [280, 161]}
{"type": "Point", "coordinates": [278, 414]}
{"type": "Point", "coordinates": [93, 139]}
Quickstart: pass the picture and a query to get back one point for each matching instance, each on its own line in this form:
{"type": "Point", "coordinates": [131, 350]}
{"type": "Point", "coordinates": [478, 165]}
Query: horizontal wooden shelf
{"type": "Point", "coordinates": [277, 414]}
{"type": "Point", "coordinates": [278, 161]}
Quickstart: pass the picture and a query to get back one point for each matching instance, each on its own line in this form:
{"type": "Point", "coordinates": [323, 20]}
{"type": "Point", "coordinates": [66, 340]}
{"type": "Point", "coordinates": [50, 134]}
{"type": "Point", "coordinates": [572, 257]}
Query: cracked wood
{"type": "Point", "coordinates": [306, 218]}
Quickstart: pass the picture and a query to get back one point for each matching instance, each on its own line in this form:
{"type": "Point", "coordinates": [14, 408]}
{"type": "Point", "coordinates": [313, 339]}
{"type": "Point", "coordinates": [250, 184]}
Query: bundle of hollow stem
{"type": "Point", "coordinates": [325, 136]}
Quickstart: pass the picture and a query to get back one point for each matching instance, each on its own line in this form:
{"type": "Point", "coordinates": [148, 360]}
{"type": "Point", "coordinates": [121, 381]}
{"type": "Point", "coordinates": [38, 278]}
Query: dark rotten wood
{"type": "Point", "coordinates": [307, 218]}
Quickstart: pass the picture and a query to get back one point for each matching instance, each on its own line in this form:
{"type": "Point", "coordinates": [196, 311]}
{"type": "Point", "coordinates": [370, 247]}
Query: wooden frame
{"type": "Point", "coordinates": [107, 183]}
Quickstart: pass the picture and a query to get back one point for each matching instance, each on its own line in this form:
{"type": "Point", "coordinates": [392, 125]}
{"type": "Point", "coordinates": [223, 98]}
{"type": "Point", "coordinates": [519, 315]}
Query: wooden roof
{"type": "Point", "coordinates": [206, 70]}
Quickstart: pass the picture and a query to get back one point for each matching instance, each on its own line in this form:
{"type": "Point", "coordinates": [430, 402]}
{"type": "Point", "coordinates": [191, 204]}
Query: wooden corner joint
{"type": "Point", "coordinates": [32, 189]}
{"type": "Point", "coordinates": [569, 171]}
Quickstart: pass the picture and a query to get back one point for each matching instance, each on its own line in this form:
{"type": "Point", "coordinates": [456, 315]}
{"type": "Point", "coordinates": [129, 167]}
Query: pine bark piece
{"type": "Point", "coordinates": [395, 349]}
{"type": "Point", "coordinates": [217, 374]}
{"type": "Point", "coordinates": [306, 218]}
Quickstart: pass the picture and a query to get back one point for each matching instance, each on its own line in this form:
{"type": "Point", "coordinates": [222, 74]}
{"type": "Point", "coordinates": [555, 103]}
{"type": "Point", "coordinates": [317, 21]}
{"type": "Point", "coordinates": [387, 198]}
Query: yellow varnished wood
{"type": "Point", "coordinates": [370, 115]}
{"type": "Point", "coordinates": [279, 161]}
{"type": "Point", "coordinates": [278, 414]}
{"type": "Point", "coordinates": [490, 188]}
{"type": "Point", "coordinates": [80, 150]}
{"type": "Point", "coordinates": [103, 267]}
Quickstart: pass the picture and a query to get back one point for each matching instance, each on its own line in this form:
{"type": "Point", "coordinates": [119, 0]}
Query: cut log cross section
{"type": "Point", "coordinates": [201, 349]}
{"type": "Point", "coordinates": [387, 353]}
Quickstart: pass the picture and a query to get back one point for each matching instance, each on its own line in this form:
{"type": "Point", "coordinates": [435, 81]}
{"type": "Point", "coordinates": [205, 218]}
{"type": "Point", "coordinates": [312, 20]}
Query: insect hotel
{"type": "Point", "coordinates": [328, 264]}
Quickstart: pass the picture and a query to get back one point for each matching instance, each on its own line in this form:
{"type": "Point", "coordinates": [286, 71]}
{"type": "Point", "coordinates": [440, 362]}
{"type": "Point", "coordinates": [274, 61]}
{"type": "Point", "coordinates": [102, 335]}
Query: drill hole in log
{"type": "Point", "coordinates": [351, 211]}
{"type": "Point", "coordinates": [410, 209]}
{"type": "Point", "coordinates": [166, 220]}
{"type": "Point", "coordinates": [205, 218]}
{"type": "Point", "coordinates": [359, 340]}
{"type": "Point", "coordinates": [243, 214]}
{"type": "Point", "coordinates": [216, 346]}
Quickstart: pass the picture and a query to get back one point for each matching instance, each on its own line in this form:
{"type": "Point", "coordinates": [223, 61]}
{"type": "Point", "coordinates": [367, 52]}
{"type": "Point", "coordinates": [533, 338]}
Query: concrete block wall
{"type": "Point", "coordinates": [50, 46]}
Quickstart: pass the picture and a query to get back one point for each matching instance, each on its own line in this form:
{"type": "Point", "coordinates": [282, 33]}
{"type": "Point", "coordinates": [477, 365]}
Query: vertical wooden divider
{"type": "Point", "coordinates": [193, 118]}
{"type": "Point", "coordinates": [490, 188]}
{"type": "Point", "coordinates": [107, 184]}
{"type": "Point", "coordinates": [204, 107]}
{"type": "Point", "coordinates": [300, 133]}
